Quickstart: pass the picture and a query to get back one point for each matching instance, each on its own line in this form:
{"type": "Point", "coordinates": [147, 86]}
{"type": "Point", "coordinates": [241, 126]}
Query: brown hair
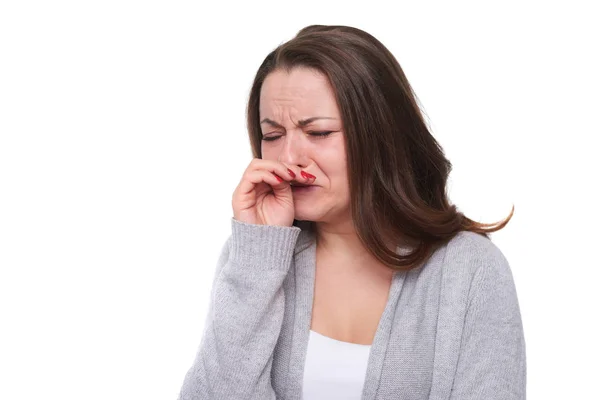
{"type": "Point", "coordinates": [397, 170]}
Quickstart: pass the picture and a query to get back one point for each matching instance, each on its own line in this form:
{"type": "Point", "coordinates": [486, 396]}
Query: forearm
{"type": "Point", "coordinates": [247, 305]}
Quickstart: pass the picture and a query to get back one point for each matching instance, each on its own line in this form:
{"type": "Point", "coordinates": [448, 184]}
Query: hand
{"type": "Point", "coordinates": [264, 195]}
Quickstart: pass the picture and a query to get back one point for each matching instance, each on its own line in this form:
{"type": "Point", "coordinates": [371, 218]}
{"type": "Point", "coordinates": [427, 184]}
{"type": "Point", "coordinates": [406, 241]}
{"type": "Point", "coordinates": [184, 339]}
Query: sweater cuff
{"type": "Point", "coordinates": [262, 246]}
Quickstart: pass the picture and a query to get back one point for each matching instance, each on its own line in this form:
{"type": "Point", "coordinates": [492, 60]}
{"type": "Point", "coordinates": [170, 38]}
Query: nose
{"type": "Point", "coordinates": [293, 150]}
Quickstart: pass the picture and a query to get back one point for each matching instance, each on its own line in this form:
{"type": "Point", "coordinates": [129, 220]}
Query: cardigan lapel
{"type": "Point", "coordinates": [381, 340]}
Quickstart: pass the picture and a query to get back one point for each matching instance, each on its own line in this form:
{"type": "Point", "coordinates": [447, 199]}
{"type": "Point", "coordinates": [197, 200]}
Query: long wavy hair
{"type": "Point", "coordinates": [397, 171]}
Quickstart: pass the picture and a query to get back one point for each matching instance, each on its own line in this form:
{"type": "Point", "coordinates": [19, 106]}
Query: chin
{"type": "Point", "coordinates": [301, 214]}
{"type": "Point", "coordinates": [327, 213]}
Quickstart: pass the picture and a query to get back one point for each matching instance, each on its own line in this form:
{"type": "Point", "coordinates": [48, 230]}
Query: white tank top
{"type": "Point", "coordinates": [334, 369]}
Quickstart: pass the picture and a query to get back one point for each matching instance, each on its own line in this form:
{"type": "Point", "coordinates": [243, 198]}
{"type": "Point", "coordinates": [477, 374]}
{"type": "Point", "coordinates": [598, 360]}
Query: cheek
{"type": "Point", "coordinates": [333, 164]}
{"type": "Point", "coordinates": [267, 152]}
{"type": "Point", "coordinates": [338, 176]}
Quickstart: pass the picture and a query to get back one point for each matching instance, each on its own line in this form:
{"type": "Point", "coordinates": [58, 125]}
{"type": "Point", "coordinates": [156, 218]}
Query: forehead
{"type": "Point", "coordinates": [301, 90]}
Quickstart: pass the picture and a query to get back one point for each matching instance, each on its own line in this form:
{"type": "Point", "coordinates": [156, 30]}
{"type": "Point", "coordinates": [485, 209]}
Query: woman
{"type": "Point", "coordinates": [348, 273]}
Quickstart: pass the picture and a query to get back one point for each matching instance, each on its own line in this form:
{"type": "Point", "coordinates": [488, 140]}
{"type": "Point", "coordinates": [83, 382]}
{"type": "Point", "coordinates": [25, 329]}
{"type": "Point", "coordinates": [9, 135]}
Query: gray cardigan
{"type": "Point", "coordinates": [451, 328]}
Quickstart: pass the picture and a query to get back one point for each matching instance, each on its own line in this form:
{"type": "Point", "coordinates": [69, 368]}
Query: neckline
{"type": "Point", "coordinates": [302, 285]}
{"type": "Point", "coordinates": [340, 341]}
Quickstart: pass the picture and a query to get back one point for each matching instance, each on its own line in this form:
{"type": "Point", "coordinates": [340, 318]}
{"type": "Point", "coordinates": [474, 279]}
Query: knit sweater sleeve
{"type": "Point", "coordinates": [492, 362]}
{"type": "Point", "coordinates": [245, 316]}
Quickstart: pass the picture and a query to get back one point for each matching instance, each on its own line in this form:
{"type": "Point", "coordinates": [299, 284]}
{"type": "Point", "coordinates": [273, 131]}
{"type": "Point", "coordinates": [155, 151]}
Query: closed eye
{"type": "Point", "coordinates": [321, 134]}
{"type": "Point", "coordinates": [270, 138]}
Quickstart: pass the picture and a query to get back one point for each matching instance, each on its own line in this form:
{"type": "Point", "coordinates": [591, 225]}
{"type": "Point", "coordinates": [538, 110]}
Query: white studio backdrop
{"type": "Point", "coordinates": [122, 138]}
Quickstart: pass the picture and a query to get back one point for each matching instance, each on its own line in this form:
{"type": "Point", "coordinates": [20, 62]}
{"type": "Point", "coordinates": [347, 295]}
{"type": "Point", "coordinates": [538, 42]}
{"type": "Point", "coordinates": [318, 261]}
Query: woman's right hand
{"type": "Point", "coordinates": [264, 195]}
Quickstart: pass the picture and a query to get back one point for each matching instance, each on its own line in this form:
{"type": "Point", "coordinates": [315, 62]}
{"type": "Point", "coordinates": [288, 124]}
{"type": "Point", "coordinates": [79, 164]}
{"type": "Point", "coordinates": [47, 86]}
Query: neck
{"type": "Point", "coordinates": [340, 245]}
{"type": "Point", "coordinates": [337, 236]}
{"type": "Point", "coordinates": [340, 248]}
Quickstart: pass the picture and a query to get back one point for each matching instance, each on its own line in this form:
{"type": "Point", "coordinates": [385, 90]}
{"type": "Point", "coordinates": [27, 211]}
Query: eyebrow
{"type": "Point", "coordinates": [301, 123]}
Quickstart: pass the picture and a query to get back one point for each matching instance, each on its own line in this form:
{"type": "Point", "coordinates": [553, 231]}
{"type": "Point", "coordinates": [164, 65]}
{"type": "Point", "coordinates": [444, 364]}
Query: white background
{"type": "Point", "coordinates": [122, 138]}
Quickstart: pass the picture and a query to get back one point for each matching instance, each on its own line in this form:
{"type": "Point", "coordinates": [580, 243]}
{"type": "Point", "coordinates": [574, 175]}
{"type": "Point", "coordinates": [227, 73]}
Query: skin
{"type": "Point", "coordinates": [351, 286]}
{"type": "Point", "coordinates": [302, 94]}
{"type": "Point", "coordinates": [287, 99]}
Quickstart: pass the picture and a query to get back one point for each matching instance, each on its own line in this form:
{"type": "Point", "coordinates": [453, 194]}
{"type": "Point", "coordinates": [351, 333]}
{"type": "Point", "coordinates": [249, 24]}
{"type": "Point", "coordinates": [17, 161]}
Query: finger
{"type": "Point", "coordinates": [253, 178]}
{"type": "Point", "coordinates": [283, 170]}
{"type": "Point", "coordinates": [298, 174]}
{"type": "Point", "coordinates": [292, 171]}
{"type": "Point", "coordinates": [308, 177]}
{"type": "Point", "coordinates": [301, 175]}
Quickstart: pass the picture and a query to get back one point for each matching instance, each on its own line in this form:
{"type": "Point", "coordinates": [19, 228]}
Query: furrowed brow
{"type": "Point", "coordinates": [302, 123]}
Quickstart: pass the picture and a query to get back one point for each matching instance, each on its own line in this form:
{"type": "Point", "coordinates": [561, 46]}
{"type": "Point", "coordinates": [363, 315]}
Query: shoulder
{"type": "Point", "coordinates": [478, 262]}
{"type": "Point", "coordinates": [474, 251]}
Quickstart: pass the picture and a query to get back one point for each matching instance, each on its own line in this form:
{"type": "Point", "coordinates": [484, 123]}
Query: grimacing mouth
{"type": "Point", "coordinates": [298, 184]}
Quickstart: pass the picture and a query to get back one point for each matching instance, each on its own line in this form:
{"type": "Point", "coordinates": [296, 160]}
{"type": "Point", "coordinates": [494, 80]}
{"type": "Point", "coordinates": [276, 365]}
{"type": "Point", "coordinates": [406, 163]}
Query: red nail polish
{"type": "Point", "coordinates": [292, 174]}
{"type": "Point", "coordinates": [307, 175]}
{"type": "Point", "coordinates": [278, 178]}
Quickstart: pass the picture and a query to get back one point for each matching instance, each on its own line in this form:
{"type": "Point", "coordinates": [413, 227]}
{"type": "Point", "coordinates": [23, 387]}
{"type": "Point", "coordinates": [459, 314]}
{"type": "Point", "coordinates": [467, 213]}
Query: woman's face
{"type": "Point", "coordinates": [295, 108]}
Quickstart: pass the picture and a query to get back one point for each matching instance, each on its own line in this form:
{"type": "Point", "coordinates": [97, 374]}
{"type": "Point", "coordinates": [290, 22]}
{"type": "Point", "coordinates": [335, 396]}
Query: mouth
{"type": "Point", "coordinates": [299, 184]}
{"type": "Point", "coordinates": [299, 188]}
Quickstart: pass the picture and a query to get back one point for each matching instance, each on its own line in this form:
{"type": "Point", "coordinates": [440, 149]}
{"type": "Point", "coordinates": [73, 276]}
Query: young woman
{"type": "Point", "coordinates": [348, 273]}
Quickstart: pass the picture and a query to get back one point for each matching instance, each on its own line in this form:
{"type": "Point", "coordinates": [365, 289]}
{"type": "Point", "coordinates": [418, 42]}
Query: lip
{"type": "Point", "coordinates": [303, 188]}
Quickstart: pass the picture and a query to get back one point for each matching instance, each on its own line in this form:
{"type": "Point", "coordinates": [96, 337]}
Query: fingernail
{"type": "Point", "coordinates": [292, 174]}
{"type": "Point", "coordinates": [278, 178]}
{"type": "Point", "coordinates": [306, 175]}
